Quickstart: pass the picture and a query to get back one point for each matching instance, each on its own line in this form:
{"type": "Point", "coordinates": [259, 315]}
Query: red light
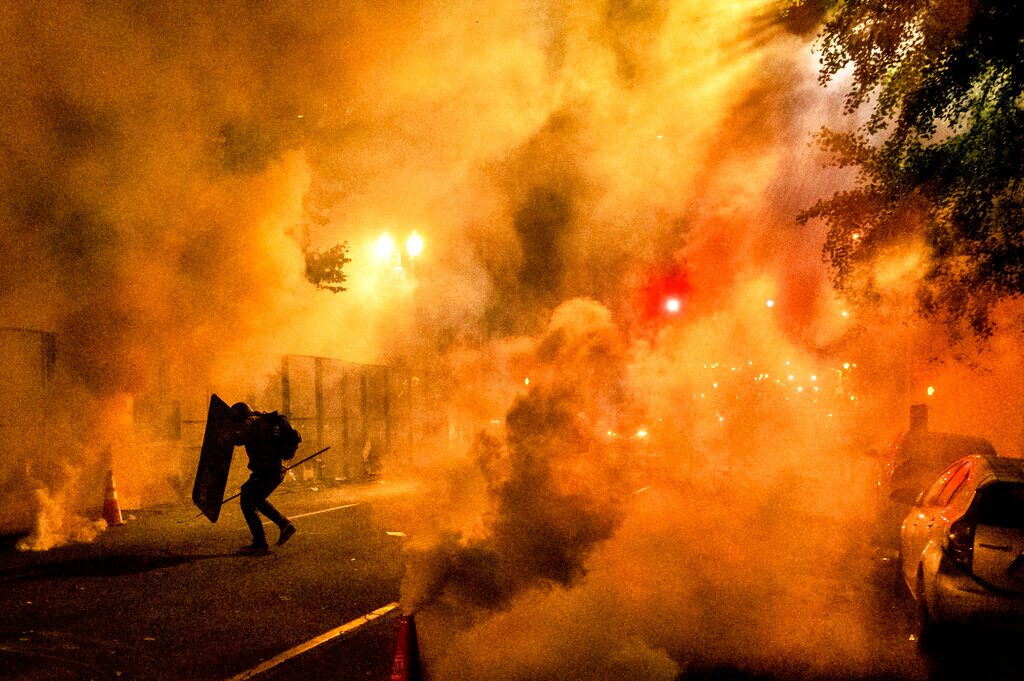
{"type": "Point", "coordinates": [666, 293]}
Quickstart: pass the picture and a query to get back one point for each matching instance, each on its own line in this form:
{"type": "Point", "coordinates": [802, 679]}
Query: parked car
{"type": "Point", "coordinates": [962, 546]}
{"type": "Point", "coordinates": [911, 463]}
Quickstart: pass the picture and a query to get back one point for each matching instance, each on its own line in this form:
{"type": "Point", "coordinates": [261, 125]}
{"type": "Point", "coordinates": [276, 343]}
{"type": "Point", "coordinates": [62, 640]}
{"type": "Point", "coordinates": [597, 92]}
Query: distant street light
{"type": "Point", "coordinates": [385, 247]}
{"type": "Point", "coordinates": [414, 245]}
{"type": "Point", "coordinates": [388, 252]}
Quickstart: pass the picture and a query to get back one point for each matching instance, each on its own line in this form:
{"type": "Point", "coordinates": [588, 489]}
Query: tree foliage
{"type": "Point", "coordinates": [325, 269]}
{"type": "Point", "coordinates": [940, 156]}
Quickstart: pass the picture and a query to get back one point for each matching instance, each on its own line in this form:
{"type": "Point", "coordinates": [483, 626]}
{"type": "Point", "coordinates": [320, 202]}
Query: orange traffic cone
{"type": "Point", "coordinates": [406, 666]}
{"type": "Point", "coordinates": [112, 509]}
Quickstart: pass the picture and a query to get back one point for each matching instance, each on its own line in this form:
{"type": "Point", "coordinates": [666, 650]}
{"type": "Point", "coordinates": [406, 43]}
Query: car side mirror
{"type": "Point", "coordinates": [906, 496]}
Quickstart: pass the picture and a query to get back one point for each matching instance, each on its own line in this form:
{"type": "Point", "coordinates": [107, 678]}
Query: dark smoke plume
{"type": "Point", "coordinates": [555, 487]}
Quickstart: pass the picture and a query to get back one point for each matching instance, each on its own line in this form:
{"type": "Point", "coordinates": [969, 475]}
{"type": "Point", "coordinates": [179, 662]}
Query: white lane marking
{"type": "Point", "coordinates": [314, 642]}
{"type": "Point", "coordinates": [306, 515]}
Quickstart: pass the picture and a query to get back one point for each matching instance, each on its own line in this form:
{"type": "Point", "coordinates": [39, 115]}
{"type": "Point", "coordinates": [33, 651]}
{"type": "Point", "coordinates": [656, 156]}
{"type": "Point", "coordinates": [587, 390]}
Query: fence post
{"type": "Point", "coordinates": [364, 428]}
{"type": "Point", "coordinates": [318, 397]}
{"type": "Point", "coordinates": [387, 413]}
{"type": "Point", "coordinates": [345, 446]}
{"type": "Point", "coordinates": [286, 393]}
{"type": "Point", "coordinates": [318, 387]}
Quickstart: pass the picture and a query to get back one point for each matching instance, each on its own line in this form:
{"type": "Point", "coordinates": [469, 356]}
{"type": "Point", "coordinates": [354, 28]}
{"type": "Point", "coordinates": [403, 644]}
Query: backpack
{"type": "Point", "coordinates": [286, 438]}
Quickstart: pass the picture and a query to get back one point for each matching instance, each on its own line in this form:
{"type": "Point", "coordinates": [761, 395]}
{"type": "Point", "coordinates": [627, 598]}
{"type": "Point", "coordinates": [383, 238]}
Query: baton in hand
{"type": "Point", "coordinates": [284, 470]}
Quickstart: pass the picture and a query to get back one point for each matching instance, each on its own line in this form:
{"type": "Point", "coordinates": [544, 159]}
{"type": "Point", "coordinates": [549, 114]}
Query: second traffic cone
{"type": "Point", "coordinates": [406, 666]}
{"type": "Point", "coordinates": [111, 508]}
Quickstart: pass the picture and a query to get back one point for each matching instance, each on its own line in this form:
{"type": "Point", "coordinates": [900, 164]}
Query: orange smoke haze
{"type": "Point", "coordinates": [164, 166]}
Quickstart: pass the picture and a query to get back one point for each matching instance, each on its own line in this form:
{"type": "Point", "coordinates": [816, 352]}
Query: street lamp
{"type": "Point", "coordinates": [388, 252]}
{"type": "Point", "coordinates": [414, 245]}
{"type": "Point", "coordinates": [413, 249]}
{"type": "Point", "coordinates": [385, 247]}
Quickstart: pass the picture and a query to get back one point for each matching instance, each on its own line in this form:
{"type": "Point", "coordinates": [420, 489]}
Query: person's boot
{"type": "Point", "coordinates": [286, 533]}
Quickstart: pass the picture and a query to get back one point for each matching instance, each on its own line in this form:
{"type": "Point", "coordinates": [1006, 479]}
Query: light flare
{"type": "Point", "coordinates": [414, 245]}
{"type": "Point", "coordinates": [384, 247]}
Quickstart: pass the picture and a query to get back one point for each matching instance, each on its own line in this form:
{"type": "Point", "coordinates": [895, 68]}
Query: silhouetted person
{"type": "Point", "coordinates": [268, 439]}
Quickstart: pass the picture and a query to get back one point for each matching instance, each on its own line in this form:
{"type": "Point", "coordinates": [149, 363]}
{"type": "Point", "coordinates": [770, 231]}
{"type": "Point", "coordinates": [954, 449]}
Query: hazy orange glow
{"type": "Point", "coordinates": [604, 196]}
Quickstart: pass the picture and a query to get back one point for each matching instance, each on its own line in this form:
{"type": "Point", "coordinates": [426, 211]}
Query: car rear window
{"type": "Point", "coordinates": [955, 447]}
{"type": "Point", "coordinates": [937, 450]}
{"type": "Point", "coordinates": [1001, 505]}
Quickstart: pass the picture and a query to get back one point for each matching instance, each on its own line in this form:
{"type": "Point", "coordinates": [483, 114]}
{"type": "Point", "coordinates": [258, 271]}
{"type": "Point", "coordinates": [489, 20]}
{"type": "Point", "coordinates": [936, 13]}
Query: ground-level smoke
{"type": "Point", "coordinates": [554, 488]}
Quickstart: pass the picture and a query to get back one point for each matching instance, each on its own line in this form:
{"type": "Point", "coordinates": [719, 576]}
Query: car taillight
{"type": "Point", "coordinates": [960, 542]}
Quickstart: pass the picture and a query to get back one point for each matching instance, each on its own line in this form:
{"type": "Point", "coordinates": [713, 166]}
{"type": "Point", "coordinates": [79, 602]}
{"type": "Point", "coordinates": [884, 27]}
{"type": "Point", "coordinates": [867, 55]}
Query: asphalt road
{"type": "Point", "coordinates": [163, 599]}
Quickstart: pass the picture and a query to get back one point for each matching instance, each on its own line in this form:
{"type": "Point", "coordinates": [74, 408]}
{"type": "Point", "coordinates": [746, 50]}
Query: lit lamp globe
{"type": "Point", "coordinates": [414, 245]}
{"type": "Point", "coordinates": [384, 248]}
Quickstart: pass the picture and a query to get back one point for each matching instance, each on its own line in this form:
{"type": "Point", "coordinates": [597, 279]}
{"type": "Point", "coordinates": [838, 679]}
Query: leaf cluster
{"type": "Point", "coordinates": [326, 268]}
{"type": "Point", "coordinates": [939, 157]}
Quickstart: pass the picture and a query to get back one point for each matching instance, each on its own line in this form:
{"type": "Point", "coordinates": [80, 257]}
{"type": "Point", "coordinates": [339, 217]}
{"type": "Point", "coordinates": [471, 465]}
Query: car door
{"type": "Point", "coordinates": [999, 536]}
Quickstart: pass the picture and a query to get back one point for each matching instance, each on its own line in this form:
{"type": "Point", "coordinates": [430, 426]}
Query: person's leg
{"type": "Point", "coordinates": [251, 499]}
{"type": "Point", "coordinates": [275, 516]}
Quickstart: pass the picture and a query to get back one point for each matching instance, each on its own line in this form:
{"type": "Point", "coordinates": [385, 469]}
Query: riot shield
{"type": "Point", "coordinates": [214, 460]}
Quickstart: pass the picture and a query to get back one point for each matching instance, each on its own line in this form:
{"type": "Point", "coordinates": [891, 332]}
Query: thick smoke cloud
{"type": "Point", "coordinates": [554, 486]}
{"type": "Point", "coordinates": [148, 189]}
{"type": "Point", "coordinates": [679, 141]}
{"type": "Point", "coordinates": [164, 164]}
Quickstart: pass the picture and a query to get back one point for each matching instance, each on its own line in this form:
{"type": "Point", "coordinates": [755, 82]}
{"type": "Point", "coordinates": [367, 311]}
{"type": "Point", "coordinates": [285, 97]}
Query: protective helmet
{"type": "Point", "coordinates": [241, 409]}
